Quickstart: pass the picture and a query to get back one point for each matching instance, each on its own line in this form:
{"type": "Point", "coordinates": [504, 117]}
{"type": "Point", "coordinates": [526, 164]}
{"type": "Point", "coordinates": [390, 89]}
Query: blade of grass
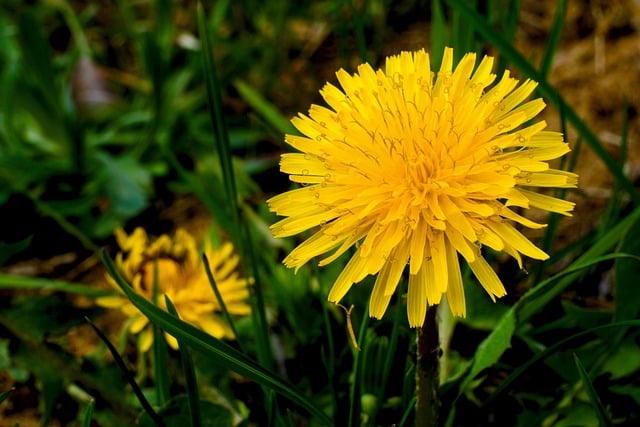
{"type": "Point", "coordinates": [160, 351]}
{"type": "Point", "coordinates": [329, 360]}
{"type": "Point", "coordinates": [554, 38]}
{"type": "Point", "coordinates": [388, 360]}
{"type": "Point", "coordinates": [223, 306]}
{"type": "Point", "coordinates": [240, 235]}
{"type": "Point", "coordinates": [217, 350]}
{"type": "Point", "coordinates": [88, 414]}
{"type": "Point", "coordinates": [356, 371]}
{"type": "Point", "coordinates": [596, 403]}
{"type": "Point", "coordinates": [265, 109]}
{"type": "Point", "coordinates": [5, 395]}
{"type": "Point", "coordinates": [214, 98]}
{"type": "Point", "coordinates": [439, 32]}
{"type": "Point", "coordinates": [8, 281]}
{"type": "Point", "coordinates": [128, 374]}
{"type": "Point", "coordinates": [358, 27]}
{"type": "Point", "coordinates": [547, 91]}
{"type": "Point", "coordinates": [188, 368]}
{"type": "Point", "coordinates": [461, 33]}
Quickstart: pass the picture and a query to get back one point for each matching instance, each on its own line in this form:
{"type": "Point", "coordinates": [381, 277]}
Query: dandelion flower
{"type": "Point", "coordinates": [413, 168]}
{"type": "Point", "coordinates": [182, 277]}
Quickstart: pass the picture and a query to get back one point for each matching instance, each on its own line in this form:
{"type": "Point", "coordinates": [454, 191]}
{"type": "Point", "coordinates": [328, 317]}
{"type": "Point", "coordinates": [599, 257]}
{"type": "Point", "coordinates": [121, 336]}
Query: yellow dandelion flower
{"type": "Point", "coordinates": [182, 277]}
{"type": "Point", "coordinates": [413, 168]}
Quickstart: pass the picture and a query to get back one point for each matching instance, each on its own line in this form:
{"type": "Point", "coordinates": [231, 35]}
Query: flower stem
{"type": "Point", "coordinates": [427, 371]}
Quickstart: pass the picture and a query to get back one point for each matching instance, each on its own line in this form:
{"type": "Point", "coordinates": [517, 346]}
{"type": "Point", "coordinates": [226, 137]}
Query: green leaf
{"type": "Point", "coordinates": [214, 96]}
{"type": "Point", "coordinates": [5, 395]}
{"type": "Point", "coordinates": [492, 348]}
{"type": "Point", "coordinates": [578, 414]}
{"type": "Point", "coordinates": [37, 59]}
{"type": "Point", "coordinates": [264, 108]}
{"type": "Point", "coordinates": [497, 342]}
{"type": "Point", "coordinates": [189, 370]}
{"type": "Point", "coordinates": [439, 32]}
{"type": "Point", "coordinates": [88, 414]}
{"type": "Point", "coordinates": [626, 360]}
{"type": "Point", "coordinates": [176, 412]}
{"type": "Point", "coordinates": [596, 403]}
{"type": "Point", "coordinates": [217, 350]}
{"type": "Point", "coordinates": [129, 376]}
{"type": "Point", "coordinates": [7, 250]}
{"type": "Point", "coordinates": [8, 281]}
{"type": "Point", "coordinates": [39, 316]}
{"type": "Point", "coordinates": [551, 350]}
{"type": "Point", "coordinates": [554, 37]}
{"type": "Point", "coordinates": [126, 183]}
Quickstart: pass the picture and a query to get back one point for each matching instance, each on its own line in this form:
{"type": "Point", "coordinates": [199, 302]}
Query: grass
{"type": "Point", "coordinates": [191, 103]}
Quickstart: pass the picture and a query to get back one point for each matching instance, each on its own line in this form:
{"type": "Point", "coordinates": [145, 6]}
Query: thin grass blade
{"type": "Point", "coordinates": [439, 32]}
{"type": "Point", "coordinates": [188, 368]}
{"type": "Point", "coordinates": [8, 281]}
{"type": "Point", "coordinates": [596, 403]}
{"type": "Point", "coordinates": [554, 38]}
{"type": "Point", "coordinates": [223, 306]}
{"type": "Point", "coordinates": [128, 375]}
{"type": "Point", "coordinates": [87, 418]}
{"type": "Point", "coordinates": [160, 351]}
{"type": "Point", "coordinates": [214, 97]}
{"type": "Point", "coordinates": [265, 109]}
{"type": "Point", "coordinates": [5, 395]}
{"type": "Point", "coordinates": [217, 350]}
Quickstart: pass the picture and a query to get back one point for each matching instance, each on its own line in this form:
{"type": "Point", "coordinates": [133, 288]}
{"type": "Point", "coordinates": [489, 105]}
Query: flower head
{"type": "Point", "coordinates": [413, 169]}
{"type": "Point", "coordinates": [182, 277]}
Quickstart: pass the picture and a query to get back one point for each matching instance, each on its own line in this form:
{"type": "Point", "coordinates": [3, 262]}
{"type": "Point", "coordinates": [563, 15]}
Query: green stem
{"type": "Point", "coordinates": [427, 371]}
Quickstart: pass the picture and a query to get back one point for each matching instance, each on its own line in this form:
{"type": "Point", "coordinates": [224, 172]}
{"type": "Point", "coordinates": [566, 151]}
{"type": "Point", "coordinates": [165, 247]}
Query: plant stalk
{"type": "Point", "coordinates": [428, 371]}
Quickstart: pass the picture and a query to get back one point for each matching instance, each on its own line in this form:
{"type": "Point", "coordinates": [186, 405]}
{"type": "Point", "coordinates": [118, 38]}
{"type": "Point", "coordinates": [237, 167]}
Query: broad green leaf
{"type": "Point", "coordinates": [497, 342]}
{"type": "Point", "coordinates": [554, 348]}
{"type": "Point", "coordinates": [492, 348]}
{"type": "Point", "coordinates": [578, 414]}
{"type": "Point", "coordinates": [626, 360]}
{"type": "Point", "coordinates": [126, 183]}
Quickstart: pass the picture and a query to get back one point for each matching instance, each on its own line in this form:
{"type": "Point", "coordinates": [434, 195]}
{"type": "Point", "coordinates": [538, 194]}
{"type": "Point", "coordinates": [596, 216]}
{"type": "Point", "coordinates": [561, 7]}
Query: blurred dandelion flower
{"type": "Point", "coordinates": [182, 277]}
{"type": "Point", "coordinates": [412, 169]}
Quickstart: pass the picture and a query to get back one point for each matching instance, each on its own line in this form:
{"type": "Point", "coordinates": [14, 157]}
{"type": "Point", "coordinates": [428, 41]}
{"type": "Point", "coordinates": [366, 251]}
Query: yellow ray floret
{"type": "Point", "coordinates": [416, 168]}
{"type": "Point", "coordinates": [182, 277]}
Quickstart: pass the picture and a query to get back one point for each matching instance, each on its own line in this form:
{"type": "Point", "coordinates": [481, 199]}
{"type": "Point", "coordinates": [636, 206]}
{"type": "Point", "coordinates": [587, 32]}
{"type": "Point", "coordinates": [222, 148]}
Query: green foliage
{"type": "Point", "coordinates": [147, 102]}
